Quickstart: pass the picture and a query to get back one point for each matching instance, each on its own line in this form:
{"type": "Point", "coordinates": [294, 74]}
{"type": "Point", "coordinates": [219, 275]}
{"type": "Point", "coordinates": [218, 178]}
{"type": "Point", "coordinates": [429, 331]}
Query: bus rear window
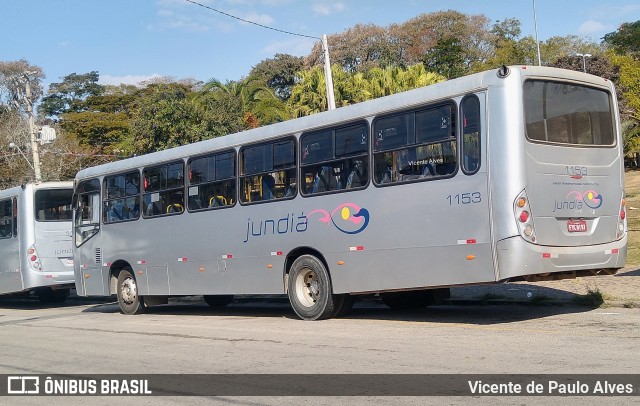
{"type": "Point", "coordinates": [566, 113]}
{"type": "Point", "coordinates": [53, 204]}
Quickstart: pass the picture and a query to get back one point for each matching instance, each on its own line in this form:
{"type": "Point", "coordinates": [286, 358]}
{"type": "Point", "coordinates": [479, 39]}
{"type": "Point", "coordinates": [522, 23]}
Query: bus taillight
{"type": "Point", "coordinates": [522, 213]}
{"type": "Point", "coordinates": [32, 256]}
{"type": "Point", "coordinates": [622, 219]}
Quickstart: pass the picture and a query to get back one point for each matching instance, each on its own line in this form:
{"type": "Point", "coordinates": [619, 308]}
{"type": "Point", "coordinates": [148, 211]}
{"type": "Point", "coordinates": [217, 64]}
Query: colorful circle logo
{"type": "Point", "coordinates": [349, 218]}
{"type": "Point", "coordinates": [592, 199]}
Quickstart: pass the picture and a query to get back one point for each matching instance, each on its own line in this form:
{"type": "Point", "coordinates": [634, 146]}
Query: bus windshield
{"type": "Point", "coordinates": [566, 113]}
{"type": "Point", "coordinates": [53, 204]}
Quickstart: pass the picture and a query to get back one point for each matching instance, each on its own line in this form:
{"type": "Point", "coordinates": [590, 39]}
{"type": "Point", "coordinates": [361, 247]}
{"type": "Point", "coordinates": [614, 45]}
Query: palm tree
{"type": "Point", "coordinates": [257, 104]}
{"type": "Point", "coordinates": [308, 96]}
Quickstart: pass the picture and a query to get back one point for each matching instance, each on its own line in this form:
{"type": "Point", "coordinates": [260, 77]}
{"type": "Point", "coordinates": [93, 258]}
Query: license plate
{"type": "Point", "coordinates": [577, 226]}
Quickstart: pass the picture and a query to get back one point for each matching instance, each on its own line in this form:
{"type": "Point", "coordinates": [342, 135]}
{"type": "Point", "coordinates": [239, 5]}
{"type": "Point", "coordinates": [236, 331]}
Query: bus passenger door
{"type": "Point", "coordinates": [469, 200]}
{"type": "Point", "coordinates": [90, 279]}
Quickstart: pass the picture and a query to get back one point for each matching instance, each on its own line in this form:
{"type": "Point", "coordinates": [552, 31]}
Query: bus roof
{"type": "Point", "coordinates": [42, 185]}
{"type": "Point", "coordinates": [398, 101]}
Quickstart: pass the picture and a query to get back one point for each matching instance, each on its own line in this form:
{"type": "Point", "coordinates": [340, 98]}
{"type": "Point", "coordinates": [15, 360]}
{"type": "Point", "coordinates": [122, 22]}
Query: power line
{"type": "Point", "coordinates": [252, 22]}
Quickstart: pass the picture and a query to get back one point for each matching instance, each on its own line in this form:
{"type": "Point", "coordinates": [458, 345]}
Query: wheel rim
{"type": "Point", "coordinates": [307, 287]}
{"type": "Point", "coordinates": [128, 292]}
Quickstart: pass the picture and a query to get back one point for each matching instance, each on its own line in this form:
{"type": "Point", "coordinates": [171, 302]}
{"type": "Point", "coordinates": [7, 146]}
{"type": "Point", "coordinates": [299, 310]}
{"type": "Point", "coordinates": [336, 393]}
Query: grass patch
{"type": "Point", "coordinates": [593, 298]}
{"type": "Point", "coordinates": [632, 191]}
{"type": "Point", "coordinates": [630, 304]}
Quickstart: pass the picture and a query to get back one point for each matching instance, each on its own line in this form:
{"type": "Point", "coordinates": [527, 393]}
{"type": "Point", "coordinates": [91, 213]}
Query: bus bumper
{"type": "Point", "coordinates": [519, 259]}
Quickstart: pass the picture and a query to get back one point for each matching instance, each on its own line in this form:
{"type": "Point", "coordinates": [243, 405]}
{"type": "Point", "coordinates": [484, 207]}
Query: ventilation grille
{"type": "Point", "coordinates": [98, 256]}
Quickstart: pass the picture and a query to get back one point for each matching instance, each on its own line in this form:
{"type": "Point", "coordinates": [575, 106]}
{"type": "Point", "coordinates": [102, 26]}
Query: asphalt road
{"type": "Point", "coordinates": [82, 337]}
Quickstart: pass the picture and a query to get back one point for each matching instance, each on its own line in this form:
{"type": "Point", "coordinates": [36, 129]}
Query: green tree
{"type": "Point", "coordinates": [70, 94]}
{"type": "Point", "coordinates": [15, 168]}
{"type": "Point", "coordinates": [278, 73]}
{"type": "Point", "coordinates": [13, 75]}
{"type": "Point", "coordinates": [257, 104]}
{"type": "Point", "coordinates": [446, 58]}
{"type": "Point", "coordinates": [309, 94]}
{"type": "Point", "coordinates": [625, 40]}
{"type": "Point", "coordinates": [103, 124]}
{"type": "Point", "coordinates": [629, 85]}
{"type": "Point", "coordinates": [164, 116]}
{"type": "Point", "coordinates": [559, 47]}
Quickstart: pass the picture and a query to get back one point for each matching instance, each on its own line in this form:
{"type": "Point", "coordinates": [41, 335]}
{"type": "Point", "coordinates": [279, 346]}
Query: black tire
{"type": "Point", "coordinates": [128, 298]}
{"type": "Point", "coordinates": [309, 289]}
{"type": "Point", "coordinates": [48, 295]}
{"type": "Point", "coordinates": [218, 300]}
{"type": "Point", "coordinates": [344, 304]}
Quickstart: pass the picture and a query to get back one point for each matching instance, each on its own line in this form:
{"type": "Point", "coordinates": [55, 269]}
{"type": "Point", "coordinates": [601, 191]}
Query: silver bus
{"type": "Point", "coordinates": [35, 240]}
{"type": "Point", "coordinates": [508, 174]}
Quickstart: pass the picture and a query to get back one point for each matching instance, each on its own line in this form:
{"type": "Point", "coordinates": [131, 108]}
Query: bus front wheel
{"type": "Point", "coordinates": [309, 289]}
{"type": "Point", "coordinates": [128, 296]}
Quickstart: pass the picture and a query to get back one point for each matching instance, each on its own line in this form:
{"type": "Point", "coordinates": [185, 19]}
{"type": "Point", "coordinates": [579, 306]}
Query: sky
{"type": "Point", "coordinates": [128, 41]}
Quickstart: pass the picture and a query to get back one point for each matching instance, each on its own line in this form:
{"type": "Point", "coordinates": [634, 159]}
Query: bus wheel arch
{"type": "Point", "coordinates": [309, 287]}
{"type": "Point", "coordinates": [129, 299]}
{"type": "Point", "coordinates": [293, 256]}
{"type": "Point", "coordinates": [114, 272]}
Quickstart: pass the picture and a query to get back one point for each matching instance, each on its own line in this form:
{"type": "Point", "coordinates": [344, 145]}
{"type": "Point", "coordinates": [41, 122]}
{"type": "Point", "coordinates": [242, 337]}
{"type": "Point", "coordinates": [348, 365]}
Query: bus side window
{"type": "Point", "coordinates": [470, 134]}
{"type": "Point", "coordinates": [335, 159]}
{"type": "Point", "coordinates": [163, 192]}
{"type": "Point", "coordinates": [121, 197]}
{"type": "Point", "coordinates": [15, 217]}
{"type": "Point", "coordinates": [6, 217]}
{"type": "Point", "coordinates": [268, 171]}
{"type": "Point", "coordinates": [416, 145]}
{"type": "Point", "coordinates": [212, 181]}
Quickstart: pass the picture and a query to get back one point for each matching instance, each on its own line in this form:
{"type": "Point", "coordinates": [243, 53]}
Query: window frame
{"type": "Point", "coordinates": [233, 180]}
{"type": "Point", "coordinates": [612, 113]}
{"type": "Point", "coordinates": [162, 192]}
{"type": "Point", "coordinates": [92, 228]}
{"type": "Point", "coordinates": [106, 199]}
{"type": "Point", "coordinates": [411, 143]}
{"type": "Point", "coordinates": [345, 158]}
{"type": "Point", "coordinates": [10, 218]}
{"type": "Point", "coordinates": [242, 173]}
{"type": "Point", "coordinates": [69, 204]}
{"type": "Point", "coordinates": [463, 147]}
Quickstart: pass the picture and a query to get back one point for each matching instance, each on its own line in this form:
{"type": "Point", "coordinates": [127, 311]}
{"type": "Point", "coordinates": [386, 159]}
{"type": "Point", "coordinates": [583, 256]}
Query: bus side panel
{"type": "Point", "coordinates": [91, 280]}
{"type": "Point", "coordinates": [10, 275]}
{"type": "Point", "coordinates": [440, 237]}
{"type": "Point", "coordinates": [420, 268]}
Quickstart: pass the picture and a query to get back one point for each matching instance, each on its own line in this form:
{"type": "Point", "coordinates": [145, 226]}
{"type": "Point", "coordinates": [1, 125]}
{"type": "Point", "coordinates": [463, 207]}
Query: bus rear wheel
{"type": "Point", "coordinates": [128, 296]}
{"type": "Point", "coordinates": [343, 304]}
{"type": "Point", "coordinates": [309, 289]}
{"type": "Point", "coordinates": [218, 300]}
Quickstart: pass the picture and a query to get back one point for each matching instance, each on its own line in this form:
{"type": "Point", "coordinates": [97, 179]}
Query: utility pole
{"type": "Point", "coordinates": [328, 78]}
{"type": "Point", "coordinates": [32, 129]}
{"type": "Point", "coordinates": [535, 24]}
